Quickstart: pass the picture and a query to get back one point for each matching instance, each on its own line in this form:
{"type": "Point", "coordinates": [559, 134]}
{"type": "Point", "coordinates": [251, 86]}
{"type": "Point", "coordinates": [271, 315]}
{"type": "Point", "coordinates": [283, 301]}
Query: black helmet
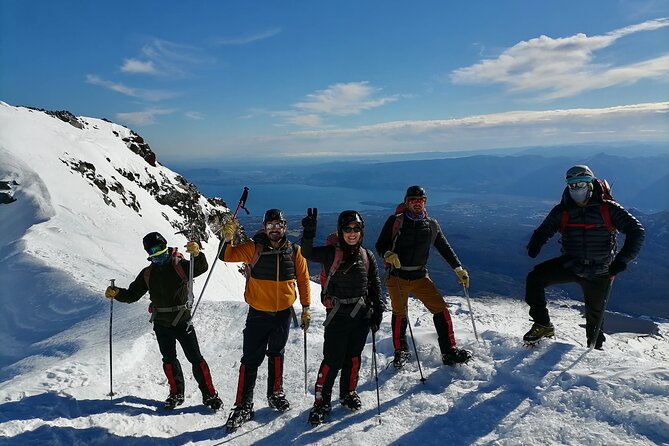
{"type": "Point", "coordinates": [348, 217]}
{"type": "Point", "coordinates": [415, 191]}
{"type": "Point", "coordinates": [153, 239]}
{"type": "Point", "coordinates": [273, 214]}
{"type": "Point", "coordinates": [579, 172]}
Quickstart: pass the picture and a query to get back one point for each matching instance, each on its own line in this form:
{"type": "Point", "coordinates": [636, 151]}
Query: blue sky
{"type": "Point", "coordinates": [230, 79]}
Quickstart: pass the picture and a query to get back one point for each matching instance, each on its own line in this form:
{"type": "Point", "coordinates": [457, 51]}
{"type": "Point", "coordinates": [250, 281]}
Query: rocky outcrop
{"type": "Point", "coordinates": [6, 195]}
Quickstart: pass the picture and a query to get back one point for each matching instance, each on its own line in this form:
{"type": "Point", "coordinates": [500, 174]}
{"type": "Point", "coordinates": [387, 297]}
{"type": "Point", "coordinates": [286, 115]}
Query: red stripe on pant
{"type": "Point", "coordinates": [169, 372]}
{"type": "Point", "coordinates": [207, 377]}
{"type": "Point", "coordinates": [397, 331]}
{"type": "Point", "coordinates": [355, 367]}
{"type": "Point", "coordinates": [449, 324]}
{"type": "Point", "coordinates": [276, 387]}
{"type": "Point", "coordinates": [240, 385]}
{"type": "Point", "coordinates": [320, 381]}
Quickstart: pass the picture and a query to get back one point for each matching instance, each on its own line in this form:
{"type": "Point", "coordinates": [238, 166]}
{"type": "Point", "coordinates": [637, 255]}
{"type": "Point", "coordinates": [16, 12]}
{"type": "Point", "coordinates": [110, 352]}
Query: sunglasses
{"type": "Point", "coordinates": [156, 250]}
{"type": "Point", "coordinates": [349, 229]}
{"type": "Point", "coordinates": [279, 225]}
{"type": "Point", "coordinates": [416, 200]}
{"type": "Point", "coordinates": [578, 185]}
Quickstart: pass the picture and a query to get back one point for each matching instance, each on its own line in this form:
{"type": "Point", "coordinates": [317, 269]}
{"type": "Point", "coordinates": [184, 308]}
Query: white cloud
{"type": "Point", "coordinates": [564, 67]}
{"type": "Point", "coordinates": [244, 40]}
{"type": "Point", "coordinates": [194, 115]}
{"type": "Point", "coordinates": [164, 58]}
{"type": "Point", "coordinates": [343, 99]}
{"type": "Point", "coordinates": [148, 95]}
{"type": "Point", "coordinates": [137, 66]}
{"type": "Point", "coordinates": [146, 117]}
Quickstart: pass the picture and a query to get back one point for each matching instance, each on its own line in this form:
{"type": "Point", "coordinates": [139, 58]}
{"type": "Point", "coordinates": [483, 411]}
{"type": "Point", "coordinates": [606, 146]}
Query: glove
{"type": "Point", "coordinates": [229, 229]}
{"type": "Point", "coordinates": [533, 249]}
{"type": "Point", "coordinates": [305, 318]}
{"type": "Point", "coordinates": [463, 276]}
{"type": "Point", "coordinates": [309, 223]}
{"type": "Point", "coordinates": [392, 259]}
{"type": "Point", "coordinates": [112, 292]}
{"type": "Point", "coordinates": [376, 318]}
{"type": "Point", "coordinates": [193, 248]}
{"type": "Point", "coordinates": [617, 266]}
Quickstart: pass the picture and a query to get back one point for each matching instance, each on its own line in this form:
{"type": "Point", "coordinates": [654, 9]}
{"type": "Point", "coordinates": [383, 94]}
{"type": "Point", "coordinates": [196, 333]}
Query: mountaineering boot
{"type": "Point", "coordinates": [401, 358]}
{"type": "Point", "coordinates": [539, 331]}
{"type": "Point", "coordinates": [600, 341]}
{"type": "Point", "coordinates": [278, 401]}
{"type": "Point", "coordinates": [212, 401]}
{"type": "Point", "coordinates": [174, 400]}
{"type": "Point", "coordinates": [239, 416]}
{"type": "Point", "coordinates": [319, 413]}
{"type": "Point", "coordinates": [456, 356]}
{"type": "Point", "coordinates": [351, 400]}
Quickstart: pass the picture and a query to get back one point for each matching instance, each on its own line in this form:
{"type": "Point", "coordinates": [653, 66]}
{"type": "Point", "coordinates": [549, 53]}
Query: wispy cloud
{"type": "Point", "coordinates": [164, 58]}
{"type": "Point", "coordinates": [246, 39]}
{"type": "Point", "coordinates": [148, 95]}
{"type": "Point", "coordinates": [137, 66]}
{"type": "Point", "coordinates": [341, 99]}
{"type": "Point", "coordinates": [194, 115]}
{"type": "Point", "coordinates": [564, 67]}
{"type": "Point", "coordinates": [146, 117]}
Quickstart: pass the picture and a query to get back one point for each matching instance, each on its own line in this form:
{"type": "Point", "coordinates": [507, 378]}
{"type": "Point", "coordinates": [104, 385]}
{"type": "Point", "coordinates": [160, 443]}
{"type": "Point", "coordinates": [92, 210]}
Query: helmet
{"type": "Point", "coordinates": [579, 172]}
{"type": "Point", "coordinates": [153, 239]}
{"type": "Point", "coordinates": [273, 214]}
{"type": "Point", "coordinates": [348, 217]}
{"type": "Point", "coordinates": [415, 191]}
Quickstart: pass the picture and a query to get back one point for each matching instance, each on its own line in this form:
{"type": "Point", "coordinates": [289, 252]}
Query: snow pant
{"type": "Point", "coordinates": [345, 337]}
{"type": "Point", "coordinates": [552, 272]}
{"type": "Point", "coordinates": [266, 333]}
{"type": "Point", "coordinates": [167, 338]}
{"type": "Point", "coordinates": [425, 291]}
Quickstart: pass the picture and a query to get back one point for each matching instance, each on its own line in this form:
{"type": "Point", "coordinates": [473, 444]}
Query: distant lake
{"type": "Point", "coordinates": [294, 199]}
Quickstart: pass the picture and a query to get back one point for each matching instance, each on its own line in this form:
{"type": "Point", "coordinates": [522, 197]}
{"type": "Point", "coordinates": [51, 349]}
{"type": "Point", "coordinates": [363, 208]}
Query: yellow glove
{"type": "Point", "coordinates": [306, 318]}
{"type": "Point", "coordinates": [193, 248]}
{"type": "Point", "coordinates": [112, 292]}
{"type": "Point", "coordinates": [229, 229]}
{"type": "Point", "coordinates": [392, 259]}
{"type": "Point", "coordinates": [463, 276]}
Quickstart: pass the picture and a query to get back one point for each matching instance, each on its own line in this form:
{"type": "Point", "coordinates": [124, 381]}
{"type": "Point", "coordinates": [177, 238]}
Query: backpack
{"type": "Point", "coordinates": [399, 220]}
{"type": "Point", "coordinates": [605, 193]}
{"type": "Point", "coordinates": [333, 239]}
{"type": "Point", "coordinates": [260, 250]}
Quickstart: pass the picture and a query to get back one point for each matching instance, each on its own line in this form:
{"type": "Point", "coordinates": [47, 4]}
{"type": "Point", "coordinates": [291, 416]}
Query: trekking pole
{"type": "Point", "coordinates": [376, 376]}
{"type": "Point", "coordinates": [240, 205]}
{"type": "Point", "coordinates": [305, 362]}
{"type": "Point", "coordinates": [413, 340]}
{"type": "Point", "coordinates": [191, 271]}
{"type": "Point", "coordinates": [600, 321]}
{"type": "Point", "coordinates": [471, 314]}
{"type": "Point", "coordinates": [111, 316]}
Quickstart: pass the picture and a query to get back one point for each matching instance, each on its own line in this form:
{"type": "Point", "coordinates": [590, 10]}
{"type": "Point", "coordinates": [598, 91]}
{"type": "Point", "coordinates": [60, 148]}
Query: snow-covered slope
{"type": "Point", "coordinates": [61, 242]}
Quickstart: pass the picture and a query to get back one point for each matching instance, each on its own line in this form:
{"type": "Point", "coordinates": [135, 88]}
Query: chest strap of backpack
{"type": "Point", "coordinates": [606, 216]}
{"type": "Point", "coordinates": [358, 301]}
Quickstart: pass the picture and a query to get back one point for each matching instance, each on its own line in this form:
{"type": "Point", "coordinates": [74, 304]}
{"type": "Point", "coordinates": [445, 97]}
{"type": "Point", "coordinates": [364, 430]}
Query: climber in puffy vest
{"type": "Point", "coordinates": [167, 283]}
{"type": "Point", "coordinates": [274, 266]}
{"type": "Point", "coordinates": [404, 243]}
{"type": "Point", "coordinates": [352, 298]}
{"type": "Point", "coordinates": [588, 219]}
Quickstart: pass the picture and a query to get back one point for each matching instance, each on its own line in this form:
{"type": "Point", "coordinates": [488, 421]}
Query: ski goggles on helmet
{"type": "Point", "coordinates": [348, 229]}
{"type": "Point", "coordinates": [156, 250]}
{"type": "Point", "coordinates": [580, 178]}
{"type": "Point", "coordinates": [279, 225]}
{"type": "Point", "coordinates": [578, 185]}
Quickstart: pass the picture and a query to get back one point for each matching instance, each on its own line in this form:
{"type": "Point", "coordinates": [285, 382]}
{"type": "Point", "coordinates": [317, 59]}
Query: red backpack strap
{"type": "Point", "coordinates": [564, 220]}
{"type": "Point", "coordinates": [339, 255]}
{"type": "Point", "coordinates": [606, 216]}
{"type": "Point", "coordinates": [176, 262]}
{"type": "Point", "coordinates": [397, 226]}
